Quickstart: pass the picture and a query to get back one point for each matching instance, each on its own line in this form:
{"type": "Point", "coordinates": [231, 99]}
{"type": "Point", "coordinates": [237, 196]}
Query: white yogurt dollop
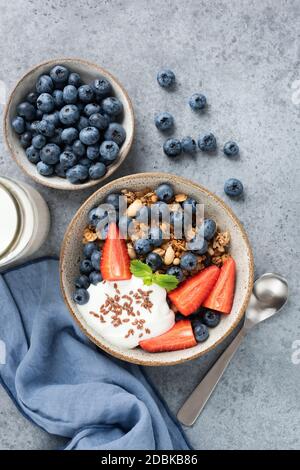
{"type": "Point", "coordinates": [127, 312]}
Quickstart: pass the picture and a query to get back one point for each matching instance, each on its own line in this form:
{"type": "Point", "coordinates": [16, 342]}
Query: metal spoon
{"type": "Point", "coordinates": [270, 293]}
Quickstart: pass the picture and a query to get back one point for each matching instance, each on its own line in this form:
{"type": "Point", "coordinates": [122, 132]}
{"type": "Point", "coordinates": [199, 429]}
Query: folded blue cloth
{"type": "Point", "coordinates": [63, 383]}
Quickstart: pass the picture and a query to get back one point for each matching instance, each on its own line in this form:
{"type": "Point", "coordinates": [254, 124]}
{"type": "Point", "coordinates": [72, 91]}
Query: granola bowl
{"type": "Point", "coordinates": [216, 209]}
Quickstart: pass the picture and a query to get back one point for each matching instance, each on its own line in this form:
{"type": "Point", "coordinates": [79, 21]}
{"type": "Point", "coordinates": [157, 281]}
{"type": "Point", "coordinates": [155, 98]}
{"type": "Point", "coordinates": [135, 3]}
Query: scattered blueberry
{"type": "Point", "coordinates": [78, 148]}
{"type": "Point", "coordinates": [154, 261]}
{"type": "Point", "coordinates": [27, 111]}
{"type": "Point", "coordinates": [164, 192]}
{"type": "Point", "coordinates": [89, 135]}
{"type": "Point", "coordinates": [32, 97]}
{"type": "Point", "coordinates": [172, 147]}
{"type": "Point", "coordinates": [164, 121]}
{"type": "Point", "coordinates": [208, 228]}
{"type": "Point", "coordinates": [95, 277]}
{"type": "Point", "coordinates": [77, 174]}
{"type": "Point", "coordinates": [74, 79]}
{"type": "Point", "coordinates": [53, 118]}
{"type": "Point", "coordinates": [69, 114]}
{"type": "Point", "coordinates": [70, 94]}
{"type": "Point", "coordinates": [86, 266]}
{"type": "Point", "coordinates": [96, 215]}
{"type": "Point", "coordinates": [50, 154]}
{"type": "Point", "coordinates": [95, 259]}
{"type": "Point", "coordinates": [233, 187]}
{"type": "Point", "coordinates": [97, 170]}
{"type": "Point", "coordinates": [188, 261]}
{"type": "Point", "coordinates": [58, 97]}
{"type": "Point", "coordinates": [83, 123]}
{"type": "Point", "coordinates": [44, 84]}
{"type": "Point", "coordinates": [156, 236]}
{"type": "Point", "coordinates": [99, 120]}
{"type": "Point", "coordinates": [211, 318]}
{"type": "Point", "coordinates": [191, 204]}
{"type": "Point", "coordinates": [25, 139]}
{"type": "Point", "coordinates": [207, 143]}
{"type": "Point", "coordinates": [200, 331]}
{"type": "Point", "coordinates": [92, 152]}
{"type": "Point", "coordinates": [39, 141]}
{"type": "Point", "coordinates": [91, 108]}
{"type": "Point", "coordinates": [46, 128]}
{"type": "Point", "coordinates": [115, 132]}
{"type": "Point", "coordinates": [82, 282]}
{"type": "Point", "coordinates": [18, 125]}
{"type": "Point", "coordinates": [67, 159]}
{"type": "Point", "coordinates": [231, 149]}
{"type": "Point", "coordinates": [188, 145]}
{"type": "Point", "coordinates": [176, 271]}
{"type": "Point", "coordinates": [85, 93]}
{"type": "Point", "coordinates": [89, 248]}
{"type": "Point", "coordinates": [101, 87]}
{"type": "Point", "coordinates": [142, 246]}
{"type": "Point", "coordinates": [45, 103]}
{"type": "Point", "coordinates": [44, 169]}
{"type": "Point", "coordinates": [59, 74]}
{"type": "Point", "coordinates": [69, 135]}
{"type": "Point", "coordinates": [166, 78]}
{"type": "Point", "coordinates": [81, 296]}
{"type": "Point", "coordinates": [198, 245]}
{"type": "Point", "coordinates": [197, 101]}
{"type": "Point", "coordinates": [113, 199]}
{"type": "Point", "coordinates": [112, 106]}
{"type": "Point", "coordinates": [108, 151]}
{"type": "Point", "coordinates": [33, 154]}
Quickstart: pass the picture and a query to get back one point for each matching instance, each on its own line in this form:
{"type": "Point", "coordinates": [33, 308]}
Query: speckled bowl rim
{"type": "Point", "coordinates": [68, 186]}
{"type": "Point", "coordinates": [177, 179]}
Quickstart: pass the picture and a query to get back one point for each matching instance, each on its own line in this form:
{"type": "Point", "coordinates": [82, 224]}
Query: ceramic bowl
{"type": "Point", "coordinates": [88, 72]}
{"type": "Point", "coordinates": [215, 208]}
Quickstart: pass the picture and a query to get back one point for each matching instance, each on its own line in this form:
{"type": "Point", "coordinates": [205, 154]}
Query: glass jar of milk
{"type": "Point", "coordinates": [24, 222]}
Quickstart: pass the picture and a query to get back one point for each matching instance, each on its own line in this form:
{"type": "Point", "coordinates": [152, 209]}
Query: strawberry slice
{"type": "Point", "coordinates": [190, 295]}
{"type": "Point", "coordinates": [181, 336]}
{"type": "Point", "coordinates": [221, 297]}
{"type": "Point", "coordinates": [115, 262]}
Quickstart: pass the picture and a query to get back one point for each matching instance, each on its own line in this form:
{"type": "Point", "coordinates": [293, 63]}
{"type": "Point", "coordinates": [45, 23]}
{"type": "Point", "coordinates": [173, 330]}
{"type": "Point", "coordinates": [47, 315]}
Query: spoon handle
{"type": "Point", "coordinates": [193, 406]}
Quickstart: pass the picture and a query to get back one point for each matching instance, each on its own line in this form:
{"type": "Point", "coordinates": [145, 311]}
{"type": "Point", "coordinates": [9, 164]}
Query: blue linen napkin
{"type": "Point", "coordinates": [63, 383]}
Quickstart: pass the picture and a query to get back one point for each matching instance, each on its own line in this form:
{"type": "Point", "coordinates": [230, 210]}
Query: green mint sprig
{"type": "Point", "coordinates": [142, 270]}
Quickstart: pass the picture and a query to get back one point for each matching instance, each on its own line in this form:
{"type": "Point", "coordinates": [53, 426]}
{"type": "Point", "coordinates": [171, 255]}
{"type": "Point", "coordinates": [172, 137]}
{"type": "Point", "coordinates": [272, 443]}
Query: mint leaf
{"type": "Point", "coordinates": [140, 269]}
{"type": "Point", "coordinates": [167, 281]}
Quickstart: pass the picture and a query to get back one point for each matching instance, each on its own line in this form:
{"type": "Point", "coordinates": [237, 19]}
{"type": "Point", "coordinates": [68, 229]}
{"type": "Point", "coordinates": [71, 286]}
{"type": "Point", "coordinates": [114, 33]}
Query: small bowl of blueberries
{"type": "Point", "coordinates": [69, 124]}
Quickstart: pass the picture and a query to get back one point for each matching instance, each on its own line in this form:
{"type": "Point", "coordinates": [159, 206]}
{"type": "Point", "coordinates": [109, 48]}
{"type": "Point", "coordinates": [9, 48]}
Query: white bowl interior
{"type": "Point", "coordinates": [88, 72]}
{"type": "Point", "coordinates": [215, 208]}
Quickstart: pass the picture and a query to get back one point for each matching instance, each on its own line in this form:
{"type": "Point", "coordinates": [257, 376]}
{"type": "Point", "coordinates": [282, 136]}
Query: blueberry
{"type": "Point", "coordinates": [164, 121]}
{"type": "Point", "coordinates": [211, 318]}
{"type": "Point", "coordinates": [112, 106]}
{"type": "Point", "coordinates": [188, 145]}
{"type": "Point", "coordinates": [97, 170]}
{"type": "Point", "coordinates": [108, 151]}
{"type": "Point", "coordinates": [85, 162]}
{"type": "Point", "coordinates": [44, 84]}
{"type": "Point", "coordinates": [60, 170]}
{"type": "Point", "coordinates": [95, 259]}
{"type": "Point", "coordinates": [176, 271]}
{"type": "Point", "coordinates": [95, 277]}
{"type": "Point", "coordinates": [67, 159]}
{"type": "Point", "coordinates": [53, 118]}
{"type": "Point", "coordinates": [208, 229]}
{"type": "Point", "coordinates": [164, 192]}
{"type": "Point", "coordinates": [33, 154]}
{"type": "Point", "coordinates": [89, 248]}
{"type": "Point", "coordinates": [39, 141]}
{"type": "Point", "coordinates": [58, 97]}
{"type": "Point", "coordinates": [74, 79]}
{"type": "Point", "coordinates": [143, 214]}
{"type": "Point", "coordinates": [27, 111]}
{"type": "Point", "coordinates": [81, 296]}
{"type": "Point", "coordinates": [92, 152]}
{"type": "Point", "coordinates": [156, 236]}
{"type": "Point", "coordinates": [69, 114]}
{"type": "Point", "coordinates": [113, 200]}
{"type": "Point", "coordinates": [102, 232]}
{"type": "Point", "coordinates": [25, 139]}
{"type": "Point", "coordinates": [34, 127]}
{"type": "Point", "coordinates": [166, 78]}
{"type": "Point", "coordinates": [44, 169]}
{"type": "Point", "coordinates": [172, 147]}
{"type": "Point", "coordinates": [59, 74]}
{"type": "Point", "coordinates": [86, 266]}
{"type": "Point", "coordinates": [154, 261]}
{"type": "Point", "coordinates": [70, 94]}
{"type": "Point", "coordinates": [142, 246]}
{"type": "Point", "coordinates": [233, 187]}
{"type": "Point", "coordinates": [191, 204]}
{"type": "Point", "coordinates": [198, 245]}
{"type": "Point", "coordinates": [207, 142]}
{"type": "Point", "coordinates": [46, 128]}
{"type": "Point", "coordinates": [50, 154]}
{"type": "Point", "coordinates": [231, 149]}
{"type": "Point", "coordinates": [83, 123]}
{"type": "Point", "coordinates": [85, 93]}
{"type": "Point", "coordinates": [96, 215]}
{"type": "Point", "coordinates": [160, 211]}
{"type": "Point", "coordinates": [77, 174]}
{"type": "Point", "coordinates": [89, 135]}
{"type": "Point", "coordinates": [18, 125]}
{"type": "Point", "coordinates": [197, 101]}
{"type": "Point", "coordinates": [124, 223]}
{"type": "Point", "coordinates": [101, 87]}
{"type": "Point", "coordinates": [32, 97]}
{"type": "Point", "coordinates": [99, 120]}
{"type": "Point", "coordinates": [82, 282]}
{"type": "Point", "coordinates": [78, 148]}
{"type": "Point", "coordinates": [56, 137]}
{"type": "Point", "coordinates": [188, 261]}
{"type": "Point", "coordinates": [200, 331]}
{"type": "Point", "coordinates": [45, 103]}
{"type": "Point", "coordinates": [69, 134]}
{"type": "Point", "coordinates": [115, 132]}
{"type": "Point", "coordinates": [91, 108]}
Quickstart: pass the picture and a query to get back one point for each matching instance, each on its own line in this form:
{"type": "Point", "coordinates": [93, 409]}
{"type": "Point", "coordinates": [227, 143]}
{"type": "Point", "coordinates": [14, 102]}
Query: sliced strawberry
{"type": "Point", "coordinates": [221, 297]}
{"type": "Point", "coordinates": [115, 262]}
{"type": "Point", "coordinates": [181, 336]}
{"type": "Point", "coordinates": [190, 295]}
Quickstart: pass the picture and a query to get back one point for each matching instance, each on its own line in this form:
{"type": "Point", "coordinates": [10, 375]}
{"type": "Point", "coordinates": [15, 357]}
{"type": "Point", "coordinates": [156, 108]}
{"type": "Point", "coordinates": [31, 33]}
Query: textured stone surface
{"type": "Point", "coordinates": [245, 56]}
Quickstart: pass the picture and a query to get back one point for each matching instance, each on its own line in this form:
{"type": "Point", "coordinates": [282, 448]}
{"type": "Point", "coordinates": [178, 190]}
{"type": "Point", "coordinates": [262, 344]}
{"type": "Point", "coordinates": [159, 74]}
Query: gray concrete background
{"type": "Point", "coordinates": [245, 56]}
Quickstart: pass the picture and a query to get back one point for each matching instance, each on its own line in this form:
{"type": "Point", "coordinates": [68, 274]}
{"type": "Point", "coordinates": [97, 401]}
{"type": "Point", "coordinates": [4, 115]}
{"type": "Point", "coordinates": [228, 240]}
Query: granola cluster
{"type": "Point", "coordinates": [172, 248]}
